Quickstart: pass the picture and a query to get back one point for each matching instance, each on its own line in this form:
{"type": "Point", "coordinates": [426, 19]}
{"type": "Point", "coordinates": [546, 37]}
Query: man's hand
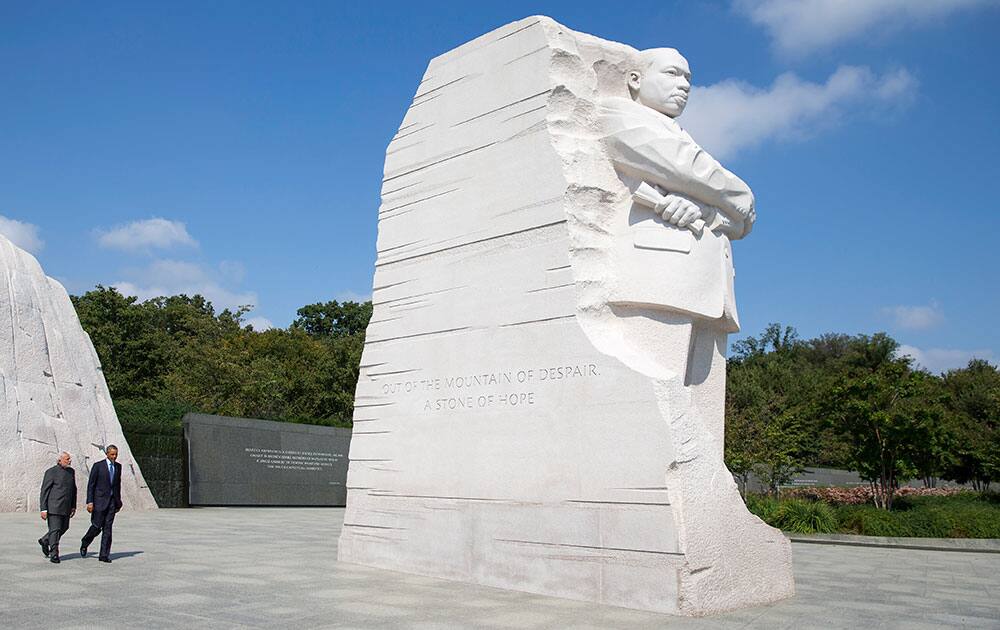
{"type": "Point", "coordinates": [90, 507]}
{"type": "Point", "coordinates": [45, 515]}
{"type": "Point", "coordinates": [681, 211]}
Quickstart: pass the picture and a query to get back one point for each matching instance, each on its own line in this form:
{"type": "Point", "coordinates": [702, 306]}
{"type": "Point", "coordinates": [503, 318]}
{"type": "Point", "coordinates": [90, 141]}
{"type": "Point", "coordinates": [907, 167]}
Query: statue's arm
{"type": "Point", "coordinates": [679, 165]}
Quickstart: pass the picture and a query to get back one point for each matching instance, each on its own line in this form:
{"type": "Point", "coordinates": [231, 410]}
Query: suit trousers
{"type": "Point", "coordinates": [101, 522]}
{"type": "Point", "coordinates": [58, 524]}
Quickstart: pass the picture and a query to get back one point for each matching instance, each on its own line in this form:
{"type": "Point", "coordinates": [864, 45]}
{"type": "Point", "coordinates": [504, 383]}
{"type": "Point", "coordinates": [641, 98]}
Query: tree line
{"type": "Point", "coordinates": [837, 400]}
{"type": "Point", "coordinates": [853, 402]}
{"type": "Point", "coordinates": [177, 352]}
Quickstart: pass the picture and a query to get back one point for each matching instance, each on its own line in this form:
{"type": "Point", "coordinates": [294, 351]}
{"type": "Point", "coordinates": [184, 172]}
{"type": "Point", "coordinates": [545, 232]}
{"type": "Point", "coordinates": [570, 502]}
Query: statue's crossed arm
{"type": "Point", "coordinates": [671, 160]}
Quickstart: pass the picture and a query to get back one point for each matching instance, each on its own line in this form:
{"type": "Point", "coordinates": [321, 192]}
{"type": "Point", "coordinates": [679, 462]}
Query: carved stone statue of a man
{"type": "Point", "coordinates": [686, 208]}
{"type": "Point", "coordinates": [593, 232]}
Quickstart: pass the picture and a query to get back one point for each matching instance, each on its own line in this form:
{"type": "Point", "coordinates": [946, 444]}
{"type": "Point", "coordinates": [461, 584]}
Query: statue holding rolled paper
{"type": "Point", "coordinates": [664, 167]}
{"type": "Point", "coordinates": [673, 257]}
{"type": "Point", "coordinates": [685, 206]}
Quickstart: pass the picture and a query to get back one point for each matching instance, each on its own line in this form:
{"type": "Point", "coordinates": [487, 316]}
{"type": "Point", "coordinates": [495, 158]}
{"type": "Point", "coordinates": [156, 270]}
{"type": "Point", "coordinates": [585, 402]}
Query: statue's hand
{"type": "Point", "coordinates": [680, 211]}
{"type": "Point", "coordinates": [748, 222]}
{"type": "Point", "coordinates": [741, 221]}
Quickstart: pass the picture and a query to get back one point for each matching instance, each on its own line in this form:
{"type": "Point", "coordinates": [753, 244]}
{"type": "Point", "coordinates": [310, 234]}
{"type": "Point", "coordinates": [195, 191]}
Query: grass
{"type": "Point", "coordinates": [965, 515]}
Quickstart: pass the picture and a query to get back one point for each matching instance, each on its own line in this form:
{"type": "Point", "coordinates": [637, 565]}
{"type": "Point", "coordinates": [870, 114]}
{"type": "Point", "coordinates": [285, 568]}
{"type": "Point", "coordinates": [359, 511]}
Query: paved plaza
{"type": "Point", "coordinates": [276, 568]}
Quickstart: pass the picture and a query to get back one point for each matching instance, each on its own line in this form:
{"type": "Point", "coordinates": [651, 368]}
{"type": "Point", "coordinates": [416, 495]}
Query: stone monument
{"type": "Point", "coordinates": [53, 396]}
{"type": "Point", "coordinates": [541, 397]}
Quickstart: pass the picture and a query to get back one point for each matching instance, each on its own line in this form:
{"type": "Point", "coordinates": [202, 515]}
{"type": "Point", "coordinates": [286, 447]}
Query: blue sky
{"type": "Point", "coordinates": [236, 148]}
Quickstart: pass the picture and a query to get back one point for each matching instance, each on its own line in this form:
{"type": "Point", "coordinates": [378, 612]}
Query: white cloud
{"type": "Point", "coordinates": [259, 324]}
{"type": "Point", "coordinates": [732, 115]}
{"type": "Point", "coordinates": [798, 27]}
{"type": "Point", "coordinates": [24, 235]}
{"type": "Point", "coordinates": [155, 233]}
{"type": "Point", "coordinates": [915, 317]}
{"type": "Point", "coordinates": [233, 270]}
{"type": "Point", "coordinates": [943, 359]}
{"type": "Point", "coordinates": [173, 277]}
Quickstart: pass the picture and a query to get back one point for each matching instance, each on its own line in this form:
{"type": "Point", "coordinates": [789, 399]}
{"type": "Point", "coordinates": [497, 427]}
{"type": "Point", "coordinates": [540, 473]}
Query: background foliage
{"type": "Point", "coordinates": [853, 402]}
{"type": "Point", "coordinates": [958, 515]}
{"type": "Point", "coordinates": [837, 400]}
{"type": "Point", "coordinates": [170, 355]}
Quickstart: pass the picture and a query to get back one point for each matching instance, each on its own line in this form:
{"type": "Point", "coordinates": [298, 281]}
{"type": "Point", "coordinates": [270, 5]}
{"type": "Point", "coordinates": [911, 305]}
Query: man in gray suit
{"type": "Point", "coordinates": [58, 504]}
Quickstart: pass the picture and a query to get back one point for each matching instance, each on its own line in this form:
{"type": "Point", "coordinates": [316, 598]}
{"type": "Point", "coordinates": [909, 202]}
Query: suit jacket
{"type": "Point", "coordinates": [652, 147]}
{"type": "Point", "coordinates": [58, 491]}
{"type": "Point", "coordinates": [101, 490]}
{"type": "Point", "coordinates": [657, 264]}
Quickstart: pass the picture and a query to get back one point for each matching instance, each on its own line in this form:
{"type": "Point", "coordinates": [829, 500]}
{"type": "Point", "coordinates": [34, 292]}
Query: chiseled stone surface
{"type": "Point", "coordinates": [276, 568]}
{"type": "Point", "coordinates": [53, 396]}
{"type": "Point", "coordinates": [540, 405]}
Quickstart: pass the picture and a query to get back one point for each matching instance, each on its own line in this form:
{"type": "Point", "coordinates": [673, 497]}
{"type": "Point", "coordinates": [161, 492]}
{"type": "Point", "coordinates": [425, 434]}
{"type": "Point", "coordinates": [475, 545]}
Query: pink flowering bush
{"type": "Point", "coordinates": [861, 495]}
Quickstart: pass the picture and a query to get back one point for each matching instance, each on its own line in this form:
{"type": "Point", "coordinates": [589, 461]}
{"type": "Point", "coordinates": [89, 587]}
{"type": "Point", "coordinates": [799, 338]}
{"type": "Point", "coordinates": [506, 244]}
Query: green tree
{"type": "Point", "coordinates": [974, 407]}
{"type": "Point", "coordinates": [933, 452]}
{"type": "Point", "coordinates": [767, 430]}
{"type": "Point", "coordinates": [878, 405]}
{"type": "Point", "coordinates": [334, 319]}
{"type": "Point", "coordinates": [134, 355]}
{"type": "Point", "coordinates": [141, 343]}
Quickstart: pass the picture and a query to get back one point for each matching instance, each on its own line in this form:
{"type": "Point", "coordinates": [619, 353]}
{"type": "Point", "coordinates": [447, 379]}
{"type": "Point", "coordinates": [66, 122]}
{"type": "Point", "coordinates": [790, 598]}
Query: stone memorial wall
{"type": "Point", "coordinates": [243, 461]}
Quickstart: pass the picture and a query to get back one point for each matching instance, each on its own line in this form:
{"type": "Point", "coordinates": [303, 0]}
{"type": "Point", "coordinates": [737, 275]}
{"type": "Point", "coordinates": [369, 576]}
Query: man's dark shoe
{"type": "Point", "coordinates": [54, 556]}
{"type": "Point", "coordinates": [45, 547]}
{"type": "Point", "coordinates": [83, 551]}
{"type": "Point", "coordinates": [108, 560]}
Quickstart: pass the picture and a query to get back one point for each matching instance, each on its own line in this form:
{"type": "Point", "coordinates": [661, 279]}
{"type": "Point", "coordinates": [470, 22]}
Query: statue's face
{"type": "Point", "coordinates": [665, 82]}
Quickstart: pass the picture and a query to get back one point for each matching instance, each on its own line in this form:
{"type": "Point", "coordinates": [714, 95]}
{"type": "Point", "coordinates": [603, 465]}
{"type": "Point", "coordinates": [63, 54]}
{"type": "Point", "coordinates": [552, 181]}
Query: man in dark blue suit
{"type": "Point", "coordinates": [104, 499]}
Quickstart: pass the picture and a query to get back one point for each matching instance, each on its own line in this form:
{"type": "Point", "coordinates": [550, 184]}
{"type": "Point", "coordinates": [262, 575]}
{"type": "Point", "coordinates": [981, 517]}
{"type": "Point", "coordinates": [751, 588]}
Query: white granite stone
{"type": "Point", "coordinates": [541, 397]}
{"type": "Point", "coordinates": [53, 396]}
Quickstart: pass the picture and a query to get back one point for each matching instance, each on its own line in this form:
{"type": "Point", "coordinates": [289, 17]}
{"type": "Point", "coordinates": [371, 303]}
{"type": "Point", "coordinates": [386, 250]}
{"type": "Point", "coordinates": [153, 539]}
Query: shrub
{"type": "Point", "coordinates": [963, 515]}
{"type": "Point", "coordinates": [151, 416]}
{"type": "Point", "coordinates": [868, 520]}
{"type": "Point", "coordinates": [765, 508]}
{"type": "Point", "coordinates": [795, 515]}
{"type": "Point", "coordinates": [806, 517]}
{"type": "Point", "coordinates": [156, 437]}
{"type": "Point", "coordinates": [919, 515]}
{"type": "Point", "coordinates": [860, 495]}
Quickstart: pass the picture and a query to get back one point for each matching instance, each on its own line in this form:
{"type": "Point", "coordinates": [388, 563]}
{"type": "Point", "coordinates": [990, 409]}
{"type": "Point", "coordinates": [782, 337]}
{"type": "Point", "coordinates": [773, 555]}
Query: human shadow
{"type": "Point", "coordinates": [93, 556]}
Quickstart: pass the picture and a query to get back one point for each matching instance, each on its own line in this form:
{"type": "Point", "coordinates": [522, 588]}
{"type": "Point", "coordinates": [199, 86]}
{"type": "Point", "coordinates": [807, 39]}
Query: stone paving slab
{"type": "Point", "coordinates": [276, 568]}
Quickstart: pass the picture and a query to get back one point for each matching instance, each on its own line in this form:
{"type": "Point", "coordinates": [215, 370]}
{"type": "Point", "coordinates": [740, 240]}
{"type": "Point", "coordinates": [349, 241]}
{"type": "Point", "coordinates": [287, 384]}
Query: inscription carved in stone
{"type": "Point", "coordinates": [540, 405]}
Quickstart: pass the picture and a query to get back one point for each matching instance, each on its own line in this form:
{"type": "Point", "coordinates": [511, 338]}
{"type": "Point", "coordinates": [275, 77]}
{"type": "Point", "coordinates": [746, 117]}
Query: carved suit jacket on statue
{"type": "Point", "coordinates": [660, 265]}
